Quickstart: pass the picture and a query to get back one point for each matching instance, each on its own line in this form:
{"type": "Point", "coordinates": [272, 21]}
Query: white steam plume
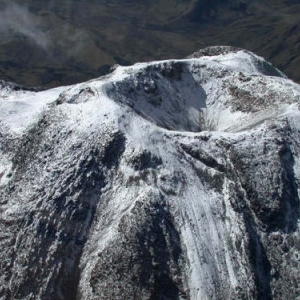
{"type": "Point", "coordinates": [19, 19]}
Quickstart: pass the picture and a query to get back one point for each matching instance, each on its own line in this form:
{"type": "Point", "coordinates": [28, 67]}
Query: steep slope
{"type": "Point", "coordinates": [174, 179]}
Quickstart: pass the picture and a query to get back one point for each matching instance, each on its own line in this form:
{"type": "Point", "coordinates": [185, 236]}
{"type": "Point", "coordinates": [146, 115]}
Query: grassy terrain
{"type": "Point", "coordinates": [85, 37]}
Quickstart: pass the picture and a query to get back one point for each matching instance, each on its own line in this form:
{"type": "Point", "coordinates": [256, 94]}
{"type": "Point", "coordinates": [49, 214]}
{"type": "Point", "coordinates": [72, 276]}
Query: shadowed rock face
{"type": "Point", "coordinates": [117, 189]}
{"type": "Point", "coordinates": [50, 43]}
{"type": "Point", "coordinates": [146, 262]}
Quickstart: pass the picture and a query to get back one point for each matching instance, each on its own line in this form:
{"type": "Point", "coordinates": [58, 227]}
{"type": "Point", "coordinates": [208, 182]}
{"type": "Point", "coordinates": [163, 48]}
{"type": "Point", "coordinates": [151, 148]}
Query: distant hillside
{"type": "Point", "coordinates": [50, 43]}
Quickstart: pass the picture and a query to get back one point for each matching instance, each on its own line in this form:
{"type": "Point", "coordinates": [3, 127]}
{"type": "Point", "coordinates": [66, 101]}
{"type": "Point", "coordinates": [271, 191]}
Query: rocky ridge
{"type": "Point", "coordinates": [175, 179]}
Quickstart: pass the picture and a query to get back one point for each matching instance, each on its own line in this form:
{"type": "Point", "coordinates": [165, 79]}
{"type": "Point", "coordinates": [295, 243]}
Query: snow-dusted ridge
{"type": "Point", "coordinates": [175, 179]}
{"type": "Point", "coordinates": [193, 97]}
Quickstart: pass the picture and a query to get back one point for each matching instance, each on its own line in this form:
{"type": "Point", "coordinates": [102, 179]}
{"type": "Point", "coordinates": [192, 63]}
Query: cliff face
{"type": "Point", "coordinates": [167, 180]}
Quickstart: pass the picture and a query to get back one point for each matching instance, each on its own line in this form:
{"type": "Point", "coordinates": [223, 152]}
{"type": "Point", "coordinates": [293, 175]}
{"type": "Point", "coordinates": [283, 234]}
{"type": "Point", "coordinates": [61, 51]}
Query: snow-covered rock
{"type": "Point", "coordinates": [175, 179]}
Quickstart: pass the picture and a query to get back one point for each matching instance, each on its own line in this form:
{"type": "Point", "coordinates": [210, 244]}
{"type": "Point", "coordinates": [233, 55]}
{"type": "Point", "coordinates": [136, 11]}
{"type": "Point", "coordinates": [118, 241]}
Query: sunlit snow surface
{"type": "Point", "coordinates": [18, 109]}
{"type": "Point", "coordinates": [165, 107]}
{"type": "Point", "coordinates": [21, 108]}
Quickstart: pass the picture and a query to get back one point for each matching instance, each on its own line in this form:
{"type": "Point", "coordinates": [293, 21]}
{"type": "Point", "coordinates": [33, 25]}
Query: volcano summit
{"type": "Point", "coordinates": [175, 179]}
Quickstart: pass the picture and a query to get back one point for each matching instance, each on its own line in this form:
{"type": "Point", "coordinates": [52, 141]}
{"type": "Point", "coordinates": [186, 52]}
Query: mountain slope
{"type": "Point", "coordinates": [50, 43]}
{"type": "Point", "coordinates": [175, 179]}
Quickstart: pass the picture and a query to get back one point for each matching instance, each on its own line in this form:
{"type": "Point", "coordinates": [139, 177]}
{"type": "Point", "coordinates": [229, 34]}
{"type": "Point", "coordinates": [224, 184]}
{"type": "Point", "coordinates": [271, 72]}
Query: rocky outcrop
{"type": "Point", "coordinates": [154, 182]}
